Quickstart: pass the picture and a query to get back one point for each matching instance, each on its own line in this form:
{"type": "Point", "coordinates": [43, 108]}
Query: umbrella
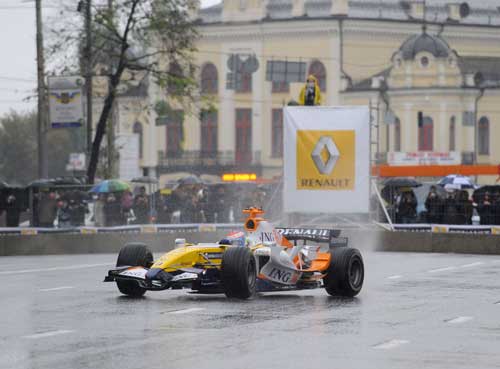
{"type": "Point", "coordinates": [190, 180]}
{"type": "Point", "coordinates": [110, 185]}
{"type": "Point", "coordinates": [146, 180]}
{"type": "Point", "coordinates": [458, 181]}
{"type": "Point", "coordinates": [478, 194]}
{"type": "Point", "coordinates": [3, 185]}
{"type": "Point", "coordinates": [401, 182]}
{"type": "Point", "coordinates": [54, 182]}
{"type": "Point", "coordinates": [393, 186]}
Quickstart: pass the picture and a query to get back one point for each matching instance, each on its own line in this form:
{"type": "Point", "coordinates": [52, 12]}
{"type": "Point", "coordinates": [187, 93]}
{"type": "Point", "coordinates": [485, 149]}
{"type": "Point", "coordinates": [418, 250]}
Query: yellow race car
{"type": "Point", "coordinates": [260, 259]}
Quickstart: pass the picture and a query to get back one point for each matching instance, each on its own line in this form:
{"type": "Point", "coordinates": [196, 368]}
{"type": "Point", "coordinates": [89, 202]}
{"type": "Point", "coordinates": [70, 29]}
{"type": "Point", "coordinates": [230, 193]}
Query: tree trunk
{"type": "Point", "coordinates": [101, 125]}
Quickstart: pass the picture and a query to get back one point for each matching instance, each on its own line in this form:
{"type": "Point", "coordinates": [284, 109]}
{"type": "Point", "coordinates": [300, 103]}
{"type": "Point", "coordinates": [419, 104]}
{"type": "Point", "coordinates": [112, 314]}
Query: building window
{"type": "Point", "coordinates": [425, 134]}
{"type": "Point", "coordinates": [317, 69]}
{"type": "Point", "coordinates": [483, 136]}
{"type": "Point", "coordinates": [137, 129]}
{"type": "Point", "coordinates": [397, 135]}
{"type": "Point", "coordinates": [175, 134]}
{"type": "Point", "coordinates": [209, 79]}
{"type": "Point", "coordinates": [243, 152]}
{"type": "Point", "coordinates": [424, 61]}
{"type": "Point", "coordinates": [243, 82]}
{"type": "Point", "coordinates": [277, 133]}
{"type": "Point", "coordinates": [175, 81]}
{"type": "Point", "coordinates": [208, 125]}
{"type": "Point", "coordinates": [452, 134]}
{"type": "Point", "coordinates": [278, 87]}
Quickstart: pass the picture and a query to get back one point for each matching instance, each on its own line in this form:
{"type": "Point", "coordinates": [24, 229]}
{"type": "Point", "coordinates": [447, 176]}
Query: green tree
{"type": "Point", "coordinates": [155, 36]}
{"type": "Point", "coordinates": [18, 148]}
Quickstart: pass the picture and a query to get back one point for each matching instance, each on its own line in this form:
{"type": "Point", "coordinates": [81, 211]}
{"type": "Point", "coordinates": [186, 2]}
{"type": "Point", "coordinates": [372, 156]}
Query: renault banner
{"type": "Point", "coordinates": [326, 159]}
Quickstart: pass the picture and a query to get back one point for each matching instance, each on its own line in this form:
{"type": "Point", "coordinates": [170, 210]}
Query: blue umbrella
{"type": "Point", "coordinates": [110, 185]}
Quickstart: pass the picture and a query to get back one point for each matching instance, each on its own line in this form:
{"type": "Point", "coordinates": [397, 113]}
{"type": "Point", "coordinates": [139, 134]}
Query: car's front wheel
{"type": "Point", "coordinates": [133, 254]}
{"type": "Point", "coordinates": [239, 272]}
{"type": "Point", "coordinates": [346, 272]}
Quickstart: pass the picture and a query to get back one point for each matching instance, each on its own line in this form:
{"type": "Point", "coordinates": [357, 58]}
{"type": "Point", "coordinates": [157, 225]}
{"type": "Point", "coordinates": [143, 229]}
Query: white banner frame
{"type": "Point", "coordinates": [354, 199]}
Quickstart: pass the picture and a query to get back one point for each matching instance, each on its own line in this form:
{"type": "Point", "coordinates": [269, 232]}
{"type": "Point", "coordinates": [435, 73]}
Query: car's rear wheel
{"type": "Point", "coordinates": [346, 272]}
{"type": "Point", "coordinates": [238, 272]}
{"type": "Point", "coordinates": [133, 254]}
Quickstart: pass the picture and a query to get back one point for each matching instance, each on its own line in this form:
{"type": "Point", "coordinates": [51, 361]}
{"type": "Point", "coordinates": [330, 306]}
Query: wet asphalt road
{"type": "Point", "coordinates": [415, 311]}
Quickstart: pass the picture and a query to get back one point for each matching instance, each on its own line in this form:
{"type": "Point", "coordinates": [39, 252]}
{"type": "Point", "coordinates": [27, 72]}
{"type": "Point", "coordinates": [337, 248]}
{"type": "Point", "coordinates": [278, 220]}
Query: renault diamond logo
{"type": "Point", "coordinates": [325, 165]}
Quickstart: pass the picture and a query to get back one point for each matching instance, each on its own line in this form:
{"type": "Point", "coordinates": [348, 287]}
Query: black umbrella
{"type": "Point", "coordinates": [147, 180]}
{"type": "Point", "coordinates": [401, 182]}
{"type": "Point", "coordinates": [52, 182]}
{"type": "Point", "coordinates": [190, 180]}
{"type": "Point", "coordinates": [3, 185]}
{"type": "Point", "coordinates": [393, 186]}
{"type": "Point", "coordinates": [478, 194]}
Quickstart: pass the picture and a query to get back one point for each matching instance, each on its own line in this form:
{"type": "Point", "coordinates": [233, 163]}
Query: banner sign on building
{"type": "Point", "coordinates": [326, 159]}
{"type": "Point", "coordinates": [424, 158]}
{"type": "Point", "coordinates": [65, 101]}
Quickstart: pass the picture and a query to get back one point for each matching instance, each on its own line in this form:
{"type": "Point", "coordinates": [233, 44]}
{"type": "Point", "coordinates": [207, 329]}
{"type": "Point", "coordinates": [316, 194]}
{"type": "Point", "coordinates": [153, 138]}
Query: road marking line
{"type": "Point", "coordinates": [471, 265]}
{"type": "Point", "coordinates": [445, 269]}
{"type": "Point", "coordinates": [459, 320]}
{"type": "Point", "coordinates": [390, 344]}
{"type": "Point", "coordinates": [56, 288]}
{"type": "Point", "coordinates": [395, 277]}
{"type": "Point", "coordinates": [72, 267]}
{"type": "Point", "coordinates": [185, 311]}
{"type": "Point", "coordinates": [48, 334]}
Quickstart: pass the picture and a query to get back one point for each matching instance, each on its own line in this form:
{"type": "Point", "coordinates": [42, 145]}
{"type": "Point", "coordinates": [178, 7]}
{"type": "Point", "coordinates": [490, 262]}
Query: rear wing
{"type": "Point", "coordinates": [330, 236]}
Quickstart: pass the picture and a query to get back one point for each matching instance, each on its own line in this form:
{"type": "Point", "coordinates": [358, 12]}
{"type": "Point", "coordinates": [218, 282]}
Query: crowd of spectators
{"type": "Point", "coordinates": [73, 207]}
{"type": "Point", "coordinates": [456, 207]}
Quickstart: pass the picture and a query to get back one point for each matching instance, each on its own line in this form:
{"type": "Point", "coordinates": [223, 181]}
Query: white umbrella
{"type": "Point", "coordinates": [457, 181]}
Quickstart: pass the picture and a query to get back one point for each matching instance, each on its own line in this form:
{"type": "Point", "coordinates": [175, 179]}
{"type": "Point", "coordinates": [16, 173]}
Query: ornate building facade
{"type": "Point", "coordinates": [432, 88]}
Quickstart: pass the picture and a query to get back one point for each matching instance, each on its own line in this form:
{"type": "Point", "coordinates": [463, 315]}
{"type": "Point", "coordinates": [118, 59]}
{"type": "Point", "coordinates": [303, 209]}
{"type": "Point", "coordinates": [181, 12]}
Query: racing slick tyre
{"type": "Point", "coordinates": [346, 272]}
{"type": "Point", "coordinates": [238, 272]}
{"type": "Point", "coordinates": [133, 254]}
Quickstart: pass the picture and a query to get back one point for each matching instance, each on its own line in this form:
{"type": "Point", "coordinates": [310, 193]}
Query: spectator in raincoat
{"type": "Point", "coordinates": [434, 206]}
{"type": "Point", "coordinates": [13, 212]}
{"type": "Point", "coordinates": [310, 94]}
{"type": "Point", "coordinates": [407, 209]}
{"type": "Point", "coordinates": [450, 207]}
{"type": "Point", "coordinates": [485, 210]}
{"type": "Point", "coordinates": [464, 208]}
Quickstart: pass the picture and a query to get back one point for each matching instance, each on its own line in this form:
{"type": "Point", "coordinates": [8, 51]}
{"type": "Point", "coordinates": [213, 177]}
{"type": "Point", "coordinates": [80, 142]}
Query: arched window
{"type": "Point", "coordinates": [137, 129]}
{"type": "Point", "coordinates": [209, 79]}
{"type": "Point", "coordinates": [175, 134]}
{"type": "Point", "coordinates": [175, 78]}
{"type": "Point", "coordinates": [426, 134]}
{"type": "Point", "coordinates": [208, 127]}
{"type": "Point", "coordinates": [452, 134]}
{"type": "Point", "coordinates": [483, 132]}
{"type": "Point", "coordinates": [317, 69]}
{"type": "Point", "coordinates": [397, 135]}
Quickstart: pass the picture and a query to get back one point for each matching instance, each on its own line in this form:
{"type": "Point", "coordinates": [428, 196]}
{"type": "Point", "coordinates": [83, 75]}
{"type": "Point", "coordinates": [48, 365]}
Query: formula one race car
{"type": "Point", "coordinates": [260, 259]}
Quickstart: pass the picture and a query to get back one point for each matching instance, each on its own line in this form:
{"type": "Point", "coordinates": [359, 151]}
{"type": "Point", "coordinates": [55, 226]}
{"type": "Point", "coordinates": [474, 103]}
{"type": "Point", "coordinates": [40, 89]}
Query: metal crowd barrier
{"type": "Point", "coordinates": [445, 228]}
{"type": "Point", "coordinates": [146, 228]}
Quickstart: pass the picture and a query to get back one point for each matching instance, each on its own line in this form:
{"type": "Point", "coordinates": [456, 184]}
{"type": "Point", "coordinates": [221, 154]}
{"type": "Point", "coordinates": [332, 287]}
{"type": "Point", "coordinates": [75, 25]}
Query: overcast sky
{"type": "Point", "coordinates": [18, 45]}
